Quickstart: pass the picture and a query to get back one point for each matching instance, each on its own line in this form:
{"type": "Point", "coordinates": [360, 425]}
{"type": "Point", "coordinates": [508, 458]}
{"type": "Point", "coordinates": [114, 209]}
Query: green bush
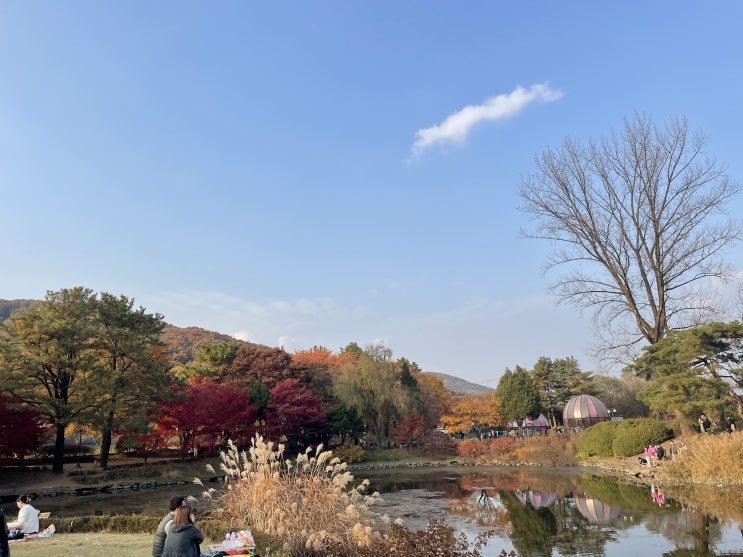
{"type": "Point", "coordinates": [633, 436]}
{"type": "Point", "coordinates": [349, 454]}
{"type": "Point", "coordinates": [596, 441]}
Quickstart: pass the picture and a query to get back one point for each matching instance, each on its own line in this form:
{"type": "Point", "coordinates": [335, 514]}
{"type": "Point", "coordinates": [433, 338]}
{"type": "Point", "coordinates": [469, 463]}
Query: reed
{"type": "Point", "coordinates": [708, 459]}
{"type": "Point", "coordinates": [311, 504]}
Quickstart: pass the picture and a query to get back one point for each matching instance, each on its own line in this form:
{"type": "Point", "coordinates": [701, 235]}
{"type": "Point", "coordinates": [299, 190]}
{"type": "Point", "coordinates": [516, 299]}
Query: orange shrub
{"type": "Point", "coordinates": [552, 449]}
{"type": "Point", "coordinates": [494, 450]}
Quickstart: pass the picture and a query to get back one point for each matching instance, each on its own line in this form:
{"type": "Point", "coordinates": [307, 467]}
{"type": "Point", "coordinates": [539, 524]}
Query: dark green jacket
{"type": "Point", "coordinates": [159, 542]}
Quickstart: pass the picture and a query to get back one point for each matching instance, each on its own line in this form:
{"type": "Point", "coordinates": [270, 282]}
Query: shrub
{"type": "Point", "coordinates": [596, 441]}
{"type": "Point", "coordinates": [634, 435]}
{"type": "Point", "coordinates": [492, 450]}
{"type": "Point", "coordinates": [349, 454]}
{"type": "Point", "coordinates": [552, 449]}
{"type": "Point", "coordinates": [309, 504]}
{"type": "Point", "coordinates": [437, 540]}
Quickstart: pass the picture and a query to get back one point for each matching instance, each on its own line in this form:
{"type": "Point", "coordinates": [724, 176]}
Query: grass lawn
{"type": "Point", "coordinates": [86, 545]}
{"type": "Point", "coordinates": [91, 545]}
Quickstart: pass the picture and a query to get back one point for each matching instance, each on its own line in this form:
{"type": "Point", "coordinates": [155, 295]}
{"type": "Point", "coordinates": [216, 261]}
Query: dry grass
{"type": "Point", "coordinates": [709, 459]}
{"type": "Point", "coordinates": [311, 504]}
{"type": "Point", "coordinates": [551, 449]}
{"type": "Point", "coordinates": [85, 545]}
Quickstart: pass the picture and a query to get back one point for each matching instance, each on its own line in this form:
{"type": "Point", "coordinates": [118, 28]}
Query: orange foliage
{"type": "Point", "coordinates": [474, 413]}
{"type": "Point", "coordinates": [491, 450]}
{"type": "Point", "coordinates": [410, 428]}
{"type": "Point", "coordinates": [435, 397]}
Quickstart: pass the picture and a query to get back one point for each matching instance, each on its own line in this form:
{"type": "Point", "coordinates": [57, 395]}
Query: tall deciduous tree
{"type": "Point", "coordinates": [296, 414]}
{"type": "Point", "coordinates": [696, 370]}
{"type": "Point", "coordinates": [637, 218]}
{"type": "Point", "coordinates": [519, 395]}
{"type": "Point", "coordinates": [474, 414]}
{"type": "Point", "coordinates": [372, 386]}
{"type": "Point", "coordinates": [46, 358]}
{"type": "Point", "coordinates": [131, 372]}
{"type": "Point", "coordinates": [202, 412]}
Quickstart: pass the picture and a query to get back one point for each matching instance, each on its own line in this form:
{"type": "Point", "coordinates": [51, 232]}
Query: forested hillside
{"type": "Point", "coordinates": [9, 306]}
{"type": "Point", "coordinates": [184, 344]}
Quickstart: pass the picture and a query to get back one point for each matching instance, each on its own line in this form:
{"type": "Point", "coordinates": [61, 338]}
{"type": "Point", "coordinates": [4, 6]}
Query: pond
{"type": "Point", "coordinates": [535, 512]}
{"type": "Point", "coordinates": [541, 513]}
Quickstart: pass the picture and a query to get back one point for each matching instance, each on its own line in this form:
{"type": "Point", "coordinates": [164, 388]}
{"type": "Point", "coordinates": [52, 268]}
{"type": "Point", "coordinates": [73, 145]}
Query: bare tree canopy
{"type": "Point", "coordinates": [639, 223]}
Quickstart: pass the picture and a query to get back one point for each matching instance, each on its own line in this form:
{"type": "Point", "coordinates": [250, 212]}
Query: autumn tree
{"type": "Point", "coordinates": [558, 381]}
{"type": "Point", "coordinates": [46, 358]}
{"type": "Point", "coordinates": [694, 371]}
{"type": "Point", "coordinates": [636, 219]}
{"type": "Point", "coordinates": [20, 428]}
{"type": "Point", "coordinates": [130, 372]}
{"type": "Point", "coordinates": [435, 398]}
{"type": "Point", "coordinates": [519, 395]}
{"type": "Point", "coordinates": [205, 412]}
{"type": "Point", "coordinates": [295, 414]}
{"type": "Point", "coordinates": [476, 414]}
{"type": "Point", "coordinates": [267, 365]}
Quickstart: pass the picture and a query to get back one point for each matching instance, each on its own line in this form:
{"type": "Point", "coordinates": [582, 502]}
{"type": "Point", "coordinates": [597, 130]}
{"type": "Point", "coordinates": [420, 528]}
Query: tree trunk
{"type": "Point", "coordinates": [106, 441]}
{"type": "Point", "coordinates": [58, 462]}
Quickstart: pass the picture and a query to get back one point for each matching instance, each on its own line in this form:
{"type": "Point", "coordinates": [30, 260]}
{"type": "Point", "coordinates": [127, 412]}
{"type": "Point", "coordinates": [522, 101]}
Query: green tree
{"type": "Point", "coordinates": [558, 381]}
{"type": "Point", "coordinates": [215, 359]}
{"type": "Point", "coordinates": [372, 386]}
{"type": "Point", "coordinates": [636, 221]}
{"type": "Point", "coordinates": [46, 358]}
{"type": "Point", "coordinates": [345, 422]}
{"type": "Point", "coordinates": [695, 370]}
{"type": "Point", "coordinates": [519, 395]}
{"type": "Point", "coordinates": [131, 371]}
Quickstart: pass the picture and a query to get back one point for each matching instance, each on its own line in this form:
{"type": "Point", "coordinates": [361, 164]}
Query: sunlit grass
{"type": "Point", "coordinates": [85, 545]}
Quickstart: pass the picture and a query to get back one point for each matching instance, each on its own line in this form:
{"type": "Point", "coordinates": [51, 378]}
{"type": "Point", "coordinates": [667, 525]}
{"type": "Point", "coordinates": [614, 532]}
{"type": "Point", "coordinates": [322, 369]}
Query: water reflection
{"type": "Point", "coordinates": [545, 514]}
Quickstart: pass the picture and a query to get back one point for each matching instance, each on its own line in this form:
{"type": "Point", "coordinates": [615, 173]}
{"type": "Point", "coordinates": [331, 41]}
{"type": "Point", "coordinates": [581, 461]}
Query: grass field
{"type": "Point", "coordinates": [90, 545]}
{"type": "Point", "coordinates": [85, 545]}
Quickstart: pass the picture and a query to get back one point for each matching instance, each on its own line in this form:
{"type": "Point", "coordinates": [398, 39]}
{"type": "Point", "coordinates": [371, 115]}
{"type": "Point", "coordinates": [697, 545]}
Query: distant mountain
{"type": "Point", "coordinates": [460, 386]}
{"type": "Point", "coordinates": [184, 343]}
{"type": "Point", "coordinates": [9, 306]}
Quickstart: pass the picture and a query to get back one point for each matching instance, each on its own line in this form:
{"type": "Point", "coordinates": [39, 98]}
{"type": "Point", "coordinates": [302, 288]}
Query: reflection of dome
{"type": "Point", "coordinates": [538, 499]}
{"type": "Point", "coordinates": [584, 410]}
{"type": "Point", "coordinates": [539, 423]}
{"type": "Point", "coordinates": [595, 510]}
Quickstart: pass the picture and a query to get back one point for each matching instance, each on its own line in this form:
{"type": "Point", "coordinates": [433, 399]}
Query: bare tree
{"type": "Point", "coordinates": [639, 220]}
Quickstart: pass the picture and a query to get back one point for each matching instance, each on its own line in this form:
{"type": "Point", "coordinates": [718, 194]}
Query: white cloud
{"type": "Point", "coordinates": [457, 126]}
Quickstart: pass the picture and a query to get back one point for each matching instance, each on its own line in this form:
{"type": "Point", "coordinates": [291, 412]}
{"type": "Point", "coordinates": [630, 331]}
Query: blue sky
{"type": "Point", "coordinates": [315, 173]}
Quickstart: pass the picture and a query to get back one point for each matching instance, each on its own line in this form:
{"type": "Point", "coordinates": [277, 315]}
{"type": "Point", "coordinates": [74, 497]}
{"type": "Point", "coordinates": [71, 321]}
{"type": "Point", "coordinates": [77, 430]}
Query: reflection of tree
{"type": "Point", "coordinates": [484, 510]}
{"type": "Point", "coordinates": [534, 530]}
{"type": "Point", "coordinates": [692, 531]}
{"type": "Point", "coordinates": [576, 535]}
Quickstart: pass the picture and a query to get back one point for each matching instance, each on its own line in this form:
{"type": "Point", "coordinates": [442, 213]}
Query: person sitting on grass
{"type": "Point", "coordinates": [27, 522]}
{"type": "Point", "coordinates": [183, 538]}
{"type": "Point", "coordinates": [159, 541]}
